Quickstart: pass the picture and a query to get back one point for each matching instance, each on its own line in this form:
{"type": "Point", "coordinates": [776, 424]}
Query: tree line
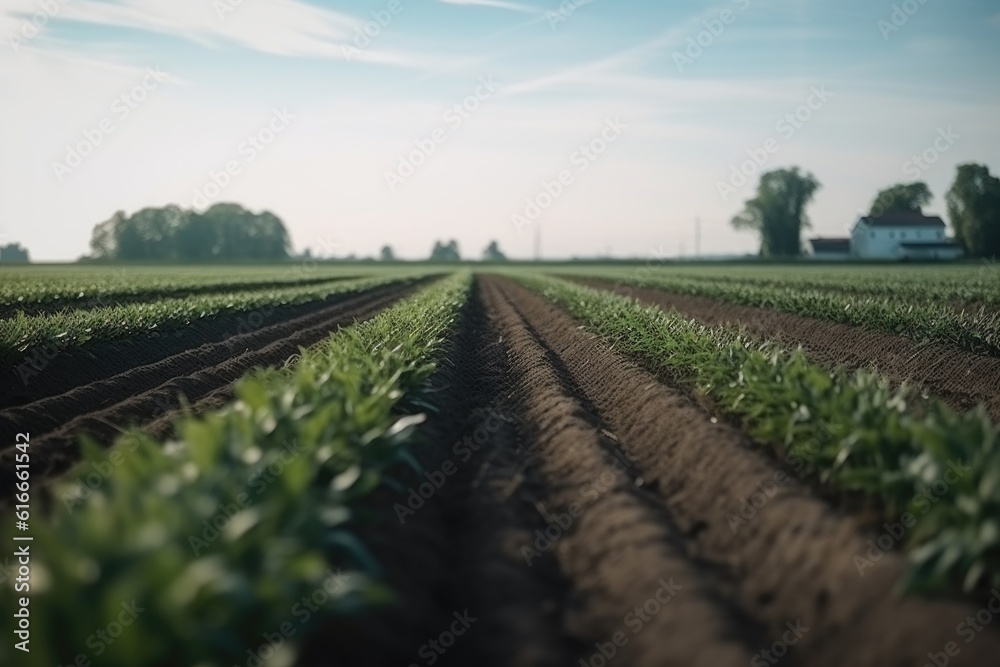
{"type": "Point", "coordinates": [222, 232]}
{"type": "Point", "coordinates": [777, 212]}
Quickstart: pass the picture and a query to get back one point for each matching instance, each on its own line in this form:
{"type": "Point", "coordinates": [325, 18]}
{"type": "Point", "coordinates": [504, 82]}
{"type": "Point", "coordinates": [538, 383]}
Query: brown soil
{"type": "Point", "coordinates": [45, 373]}
{"type": "Point", "coordinates": [155, 392]}
{"type": "Point", "coordinates": [602, 488]}
{"type": "Point", "coordinates": [959, 378]}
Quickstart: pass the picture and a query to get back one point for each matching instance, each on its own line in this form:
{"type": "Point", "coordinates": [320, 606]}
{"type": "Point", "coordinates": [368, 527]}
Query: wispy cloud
{"type": "Point", "coordinates": [290, 28]}
{"type": "Point", "coordinates": [496, 4]}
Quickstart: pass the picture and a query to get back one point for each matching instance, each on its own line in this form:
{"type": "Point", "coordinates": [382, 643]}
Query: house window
{"type": "Point", "coordinates": [918, 234]}
{"type": "Point", "coordinates": [873, 234]}
{"type": "Point", "coordinates": [940, 235]}
{"type": "Point", "coordinates": [892, 235]}
{"type": "Point", "coordinates": [902, 235]}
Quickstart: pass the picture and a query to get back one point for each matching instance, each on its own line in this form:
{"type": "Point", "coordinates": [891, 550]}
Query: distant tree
{"type": "Point", "coordinates": [777, 213]}
{"type": "Point", "coordinates": [386, 254]}
{"type": "Point", "coordinates": [492, 253]}
{"type": "Point", "coordinates": [104, 239]}
{"type": "Point", "coordinates": [223, 232]}
{"type": "Point", "coordinates": [13, 253]}
{"type": "Point", "coordinates": [974, 210]}
{"type": "Point", "coordinates": [902, 198]}
{"type": "Point", "coordinates": [446, 252]}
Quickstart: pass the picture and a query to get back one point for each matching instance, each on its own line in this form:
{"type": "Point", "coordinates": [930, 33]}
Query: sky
{"type": "Point", "coordinates": [602, 126]}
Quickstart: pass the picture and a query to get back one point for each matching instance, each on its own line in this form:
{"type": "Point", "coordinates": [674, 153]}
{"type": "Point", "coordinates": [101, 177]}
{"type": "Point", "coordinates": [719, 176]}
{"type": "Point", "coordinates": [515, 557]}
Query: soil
{"type": "Point", "coordinates": [961, 379]}
{"type": "Point", "coordinates": [152, 394]}
{"type": "Point", "coordinates": [45, 373]}
{"type": "Point", "coordinates": [594, 523]}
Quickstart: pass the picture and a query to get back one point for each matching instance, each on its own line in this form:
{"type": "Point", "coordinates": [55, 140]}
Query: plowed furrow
{"type": "Point", "coordinates": [961, 379]}
{"type": "Point", "coordinates": [635, 590]}
{"type": "Point", "coordinates": [793, 562]}
{"type": "Point", "coordinates": [138, 396]}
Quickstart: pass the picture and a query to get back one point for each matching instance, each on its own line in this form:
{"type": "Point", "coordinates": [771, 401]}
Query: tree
{"type": "Point", "coordinates": [492, 253]}
{"type": "Point", "coordinates": [446, 252]}
{"type": "Point", "coordinates": [223, 232]}
{"type": "Point", "coordinates": [13, 253]}
{"type": "Point", "coordinates": [777, 213]}
{"type": "Point", "coordinates": [974, 210]}
{"type": "Point", "coordinates": [902, 198]}
{"type": "Point", "coordinates": [386, 254]}
{"type": "Point", "coordinates": [104, 238]}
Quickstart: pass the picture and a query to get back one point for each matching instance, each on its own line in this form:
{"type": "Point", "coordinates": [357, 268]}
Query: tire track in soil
{"type": "Point", "coordinates": [961, 379]}
{"type": "Point", "coordinates": [153, 393]}
{"type": "Point", "coordinates": [793, 562]}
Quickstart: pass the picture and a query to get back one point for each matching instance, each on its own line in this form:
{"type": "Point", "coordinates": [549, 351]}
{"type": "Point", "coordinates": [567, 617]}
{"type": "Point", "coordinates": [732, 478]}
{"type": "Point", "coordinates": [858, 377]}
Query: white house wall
{"type": "Point", "coordinates": [883, 242]}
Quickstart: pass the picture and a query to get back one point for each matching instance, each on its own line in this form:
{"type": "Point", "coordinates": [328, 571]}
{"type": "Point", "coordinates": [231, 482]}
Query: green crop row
{"type": "Point", "coordinates": [239, 533]}
{"type": "Point", "coordinates": [853, 431]}
{"type": "Point", "coordinates": [977, 332]}
{"type": "Point", "coordinates": [914, 286]}
{"type": "Point", "coordinates": [71, 286]}
{"type": "Point", "coordinates": [20, 334]}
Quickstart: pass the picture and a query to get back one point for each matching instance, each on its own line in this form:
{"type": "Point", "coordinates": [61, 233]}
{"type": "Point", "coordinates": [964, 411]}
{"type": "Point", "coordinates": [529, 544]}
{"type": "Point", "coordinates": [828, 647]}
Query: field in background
{"type": "Point", "coordinates": [697, 457]}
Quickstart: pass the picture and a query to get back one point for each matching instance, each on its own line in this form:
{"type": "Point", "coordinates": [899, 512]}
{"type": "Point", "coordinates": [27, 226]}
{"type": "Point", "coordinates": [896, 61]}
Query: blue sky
{"type": "Point", "coordinates": [608, 125]}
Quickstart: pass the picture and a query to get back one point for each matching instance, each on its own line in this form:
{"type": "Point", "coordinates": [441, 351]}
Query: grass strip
{"type": "Point", "coordinates": [853, 430]}
{"type": "Point", "coordinates": [220, 536]}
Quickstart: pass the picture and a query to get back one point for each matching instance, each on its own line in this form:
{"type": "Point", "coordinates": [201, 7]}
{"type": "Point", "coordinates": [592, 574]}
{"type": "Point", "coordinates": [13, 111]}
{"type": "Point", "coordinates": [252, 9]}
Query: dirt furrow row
{"type": "Point", "coordinates": [48, 372]}
{"type": "Point", "coordinates": [156, 392]}
{"type": "Point", "coordinates": [793, 561]}
{"type": "Point", "coordinates": [637, 596]}
{"type": "Point", "coordinates": [961, 379]}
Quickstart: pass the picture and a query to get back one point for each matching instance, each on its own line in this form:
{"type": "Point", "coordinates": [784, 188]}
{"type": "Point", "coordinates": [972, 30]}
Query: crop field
{"type": "Point", "coordinates": [501, 465]}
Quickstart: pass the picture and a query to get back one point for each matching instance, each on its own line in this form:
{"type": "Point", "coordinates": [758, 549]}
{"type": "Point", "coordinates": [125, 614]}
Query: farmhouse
{"type": "Point", "coordinates": [891, 236]}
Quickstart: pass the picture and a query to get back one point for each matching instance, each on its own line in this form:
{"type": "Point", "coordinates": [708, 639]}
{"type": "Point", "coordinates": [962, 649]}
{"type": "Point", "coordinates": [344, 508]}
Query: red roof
{"type": "Point", "coordinates": [903, 220]}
